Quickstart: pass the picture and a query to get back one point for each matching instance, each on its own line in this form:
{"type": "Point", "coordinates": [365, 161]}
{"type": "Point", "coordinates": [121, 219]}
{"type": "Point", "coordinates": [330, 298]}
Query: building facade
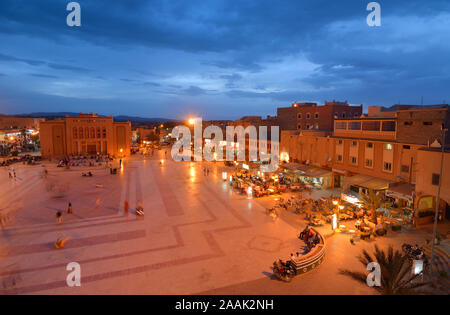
{"type": "Point", "coordinates": [310, 116]}
{"type": "Point", "coordinates": [87, 134]}
{"type": "Point", "coordinates": [14, 122]}
{"type": "Point", "coordinates": [393, 154]}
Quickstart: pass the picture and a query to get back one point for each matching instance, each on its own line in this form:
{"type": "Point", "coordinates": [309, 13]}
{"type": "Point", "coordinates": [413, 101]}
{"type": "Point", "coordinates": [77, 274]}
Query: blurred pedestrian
{"type": "Point", "coordinates": [58, 217]}
{"type": "Point", "coordinates": [69, 209]}
{"type": "Point", "coordinates": [126, 206]}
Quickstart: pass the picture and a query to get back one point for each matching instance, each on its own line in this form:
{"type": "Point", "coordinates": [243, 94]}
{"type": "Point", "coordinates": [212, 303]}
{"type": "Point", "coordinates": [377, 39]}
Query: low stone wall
{"type": "Point", "coordinates": [311, 260]}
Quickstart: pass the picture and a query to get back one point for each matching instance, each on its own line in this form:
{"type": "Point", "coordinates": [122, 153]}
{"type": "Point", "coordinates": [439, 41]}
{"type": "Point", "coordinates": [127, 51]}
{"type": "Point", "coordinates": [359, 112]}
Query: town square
{"type": "Point", "coordinates": [244, 150]}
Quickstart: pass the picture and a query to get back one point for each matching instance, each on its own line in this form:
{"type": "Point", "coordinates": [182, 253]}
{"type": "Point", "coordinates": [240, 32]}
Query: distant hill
{"type": "Point", "coordinates": [133, 119]}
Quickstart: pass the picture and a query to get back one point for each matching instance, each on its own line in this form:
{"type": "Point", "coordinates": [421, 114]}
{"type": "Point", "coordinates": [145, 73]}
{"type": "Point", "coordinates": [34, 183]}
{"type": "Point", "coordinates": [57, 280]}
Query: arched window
{"type": "Point", "coordinates": [75, 132]}
{"type": "Point", "coordinates": [81, 132]}
{"type": "Point", "coordinates": [92, 133]}
{"type": "Point", "coordinates": [104, 132]}
{"type": "Point", "coordinates": [86, 131]}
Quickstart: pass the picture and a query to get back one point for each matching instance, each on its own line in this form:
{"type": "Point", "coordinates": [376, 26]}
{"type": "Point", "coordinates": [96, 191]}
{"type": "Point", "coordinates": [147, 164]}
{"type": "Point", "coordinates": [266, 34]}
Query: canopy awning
{"type": "Point", "coordinates": [317, 172]}
{"type": "Point", "coordinates": [368, 182]}
{"type": "Point", "coordinates": [401, 191]}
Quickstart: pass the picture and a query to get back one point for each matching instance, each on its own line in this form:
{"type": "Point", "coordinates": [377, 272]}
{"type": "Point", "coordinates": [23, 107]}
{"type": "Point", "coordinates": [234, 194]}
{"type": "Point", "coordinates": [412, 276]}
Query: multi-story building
{"type": "Point", "coordinates": [15, 122]}
{"type": "Point", "coordinates": [310, 116]}
{"type": "Point", "coordinates": [427, 182]}
{"type": "Point", "coordinates": [83, 135]}
{"type": "Point", "coordinates": [381, 153]}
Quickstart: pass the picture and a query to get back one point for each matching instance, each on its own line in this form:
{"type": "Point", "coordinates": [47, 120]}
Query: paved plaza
{"type": "Point", "coordinates": [197, 236]}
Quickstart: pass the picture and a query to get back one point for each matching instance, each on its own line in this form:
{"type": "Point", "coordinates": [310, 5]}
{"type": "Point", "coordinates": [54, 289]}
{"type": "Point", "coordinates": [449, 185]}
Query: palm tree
{"type": "Point", "coordinates": [396, 272]}
{"type": "Point", "coordinates": [372, 201]}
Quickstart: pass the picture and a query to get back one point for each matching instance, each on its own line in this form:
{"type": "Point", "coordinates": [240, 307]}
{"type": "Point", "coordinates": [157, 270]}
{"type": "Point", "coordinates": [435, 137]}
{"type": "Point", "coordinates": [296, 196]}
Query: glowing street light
{"type": "Point", "coordinates": [191, 121]}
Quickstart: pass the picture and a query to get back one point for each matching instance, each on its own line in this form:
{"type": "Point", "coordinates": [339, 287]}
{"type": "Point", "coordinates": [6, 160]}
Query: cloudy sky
{"type": "Point", "coordinates": [221, 59]}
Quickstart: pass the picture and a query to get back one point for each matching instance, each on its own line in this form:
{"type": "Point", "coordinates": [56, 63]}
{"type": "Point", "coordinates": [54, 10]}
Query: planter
{"type": "Point", "coordinates": [424, 220]}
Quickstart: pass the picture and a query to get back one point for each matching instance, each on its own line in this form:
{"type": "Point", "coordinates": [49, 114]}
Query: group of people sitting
{"type": "Point", "coordinates": [310, 238]}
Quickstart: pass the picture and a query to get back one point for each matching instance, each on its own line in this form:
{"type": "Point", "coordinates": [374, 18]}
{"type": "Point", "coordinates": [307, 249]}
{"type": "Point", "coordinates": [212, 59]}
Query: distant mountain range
{"type": "Point", "coordinates": [133, 119]}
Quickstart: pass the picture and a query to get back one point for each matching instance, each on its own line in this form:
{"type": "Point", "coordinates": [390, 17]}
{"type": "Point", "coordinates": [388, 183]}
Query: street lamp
{"type": "Point", "coordinates": [438, 199]}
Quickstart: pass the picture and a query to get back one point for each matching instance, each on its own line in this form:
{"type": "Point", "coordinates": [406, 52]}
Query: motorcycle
{"type": "Point", "coordinates": [283, 270]}
{"type": "Point", "coordinates": [414, 253]}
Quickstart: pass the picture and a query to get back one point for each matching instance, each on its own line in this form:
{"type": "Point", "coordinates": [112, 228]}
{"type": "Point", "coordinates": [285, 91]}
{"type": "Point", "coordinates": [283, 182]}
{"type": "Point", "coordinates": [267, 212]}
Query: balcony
{"type": "Point", "coordinates": [383, 129]}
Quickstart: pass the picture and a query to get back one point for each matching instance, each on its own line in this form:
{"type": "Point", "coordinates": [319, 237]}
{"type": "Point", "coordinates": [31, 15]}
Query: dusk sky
{"type": "Point", "coordinates": [219, 59]}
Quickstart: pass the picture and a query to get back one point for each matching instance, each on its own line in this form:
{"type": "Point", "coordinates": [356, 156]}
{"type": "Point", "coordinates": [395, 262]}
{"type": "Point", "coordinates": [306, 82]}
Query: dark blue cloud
{"type": "Point", "coordinates": [220, 57]}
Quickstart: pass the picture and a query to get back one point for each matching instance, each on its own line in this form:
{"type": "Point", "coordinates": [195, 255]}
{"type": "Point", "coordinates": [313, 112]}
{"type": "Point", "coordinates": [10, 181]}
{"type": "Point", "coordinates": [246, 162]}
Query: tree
{"type": "Point", "coordinates": [396, 272]}
{"type": "Point", "coordinates": [372, 201]}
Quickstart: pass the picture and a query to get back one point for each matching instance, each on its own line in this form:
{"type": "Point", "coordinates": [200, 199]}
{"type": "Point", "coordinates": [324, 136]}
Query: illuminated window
{"type": "Point", "coordinates": [369, 163]}
{"type": "Point", "coordinates": [388, 146]}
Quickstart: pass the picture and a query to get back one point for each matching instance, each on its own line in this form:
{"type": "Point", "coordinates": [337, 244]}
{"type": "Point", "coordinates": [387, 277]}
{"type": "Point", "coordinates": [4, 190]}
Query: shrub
{"type": "Point", "coordinates": [427, 213]}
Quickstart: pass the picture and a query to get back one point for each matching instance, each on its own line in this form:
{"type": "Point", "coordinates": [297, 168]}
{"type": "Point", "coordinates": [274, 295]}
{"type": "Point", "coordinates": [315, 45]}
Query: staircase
{"type": "Point", "coordinates": [441, 265]}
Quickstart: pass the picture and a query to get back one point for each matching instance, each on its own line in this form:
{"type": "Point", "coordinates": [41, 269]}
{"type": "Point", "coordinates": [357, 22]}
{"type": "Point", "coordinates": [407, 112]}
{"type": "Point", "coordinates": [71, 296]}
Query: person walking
{"type": "Point", "coordinates": [126, 206]}
{"type": "Point", "coordinates": [69, 209]}
{"type": "Point", "coordinates": [58, 217]}
{"type": "Point", "coordinates": [14, 175]}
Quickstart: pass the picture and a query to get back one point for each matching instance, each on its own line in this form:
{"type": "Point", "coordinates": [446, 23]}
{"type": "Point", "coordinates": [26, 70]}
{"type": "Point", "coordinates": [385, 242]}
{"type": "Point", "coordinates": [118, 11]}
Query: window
{"type": "Point", "coordinates": [406, 147]}
{"type": "Point", "coordinates": [92, 133]}
{"type": "Point", "coordinates": [356, 115]}
{"type": "Point", "coordinates": [408, 123]}
{"type": "Point", "coordinates": [354, 143]}
{"type": "Point", "coordinates": [388, 146]}
{"type": "Point", "coordinates": [339, 158]}
{"type": "Point", "coordinates": [308, 116]}
{"type": "Point", "coordinates": [370, 145]}
{"type": "Point", "coordinates": [371, 125]}
{"type": "Point", "coordinates": [299, 127]}
{"type": "Point", "coordinates": [404, 168]}
{"type": "Point", "coordinates": [369, 163]}
{"type": "Point", "coordinates": [299, 116]}
{"type": "Point", "coordinates": [388, 126]}
{"type": "Point", "coordinates": [104, 132]}
{"type": "Point", "coordinates": [316, 115]}
{"type": "Point", "coordinates": [354, 125]}
{"type": "Point", "coordinates": [81, 133]}
{"type": "Point", "coordinates": [427, 123]}
{"type": "Point", "coordinates": [307, 126]}
{"type": "Point", "coordinates": [387, 167]}
{"type": "Point", "coordinates": [86, 132]}
{"type": "Point", "coordinates": [75, 132]}
{"type": "Point", "coordinates": [353, 160]}
{"type": "Point", "coordinates": [341, 125]}
{"type": "Point", "coordinates": [98, 133]}
{"type": "Point", "coordinates": [340, 142]}
{"type": "Point", "coordinates": [435, 179]}
{"type": "Point", "coordinates": [343, 115]}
